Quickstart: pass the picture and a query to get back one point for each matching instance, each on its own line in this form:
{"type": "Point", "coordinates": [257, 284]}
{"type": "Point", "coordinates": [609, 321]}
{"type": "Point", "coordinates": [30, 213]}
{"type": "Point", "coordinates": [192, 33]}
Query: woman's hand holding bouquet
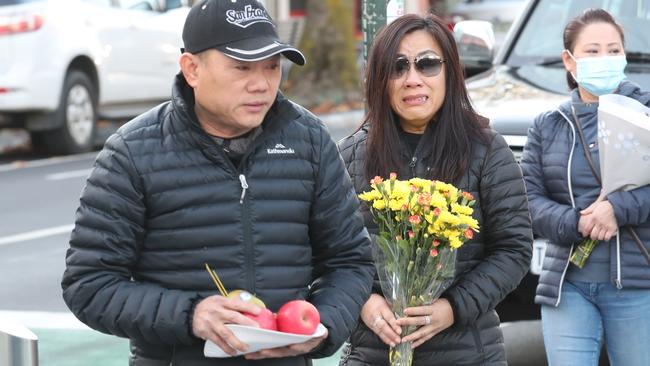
{"type": "Point", "coordinates": [421, 224]}
{"type": "Point", "coordinates": [597, 222]}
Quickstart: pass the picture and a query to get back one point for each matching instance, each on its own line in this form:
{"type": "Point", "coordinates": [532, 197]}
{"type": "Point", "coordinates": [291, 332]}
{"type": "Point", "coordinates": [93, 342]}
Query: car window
{"type": "Point", "coordinates": [173, 4]}
{"type": "Point", "coordinates": [534, 46]}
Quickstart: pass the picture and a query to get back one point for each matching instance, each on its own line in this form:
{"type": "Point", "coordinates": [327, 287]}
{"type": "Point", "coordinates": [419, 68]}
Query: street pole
{"type": "Point", "coordinates": [18, 345]}
{"type": "Point", "coordinates": [376, 14]}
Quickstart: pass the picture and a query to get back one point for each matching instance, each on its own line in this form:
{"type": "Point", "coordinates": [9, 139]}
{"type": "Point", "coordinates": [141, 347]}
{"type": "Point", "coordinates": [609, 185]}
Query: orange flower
{"type": "Point", "coordinates": [434, 252]}
{"type": "Point", "coordinates": [376, 180]}
{"type": "Point", "coordinates": [435, 242]}
{"type": "Point", "coordinates": [468, 196]}
{"type": "Point", "coordinates": [415, 219]}
{"type": "Point", "coordinates": [424, 199]}
{"type": "Point", "coordinates": [405, 207]}
{"type": "Point", "coordinates": [393, 176]}
{"type": "Point", "coordinates": [469, 233]}
{"type": "Point", "coordinates": [437, 211]}
{"type": "Point", "coordinates": [411, 234]}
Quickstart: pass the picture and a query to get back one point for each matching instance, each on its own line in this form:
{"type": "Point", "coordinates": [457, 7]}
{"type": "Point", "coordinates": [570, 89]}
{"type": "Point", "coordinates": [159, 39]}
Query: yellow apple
{"type": "Point", "coordinates": [246, 296]}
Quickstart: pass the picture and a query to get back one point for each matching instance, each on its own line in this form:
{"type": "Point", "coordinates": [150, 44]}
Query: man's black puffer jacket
{"type": "Point", "coordinates": [488, 267]}
{"type": "Point", "coordinates": [163, 199]}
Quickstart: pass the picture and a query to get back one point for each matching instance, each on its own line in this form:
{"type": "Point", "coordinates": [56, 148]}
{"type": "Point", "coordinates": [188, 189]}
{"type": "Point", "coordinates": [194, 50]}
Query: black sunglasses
{"type": "Point", "coordinates": [427, 65]}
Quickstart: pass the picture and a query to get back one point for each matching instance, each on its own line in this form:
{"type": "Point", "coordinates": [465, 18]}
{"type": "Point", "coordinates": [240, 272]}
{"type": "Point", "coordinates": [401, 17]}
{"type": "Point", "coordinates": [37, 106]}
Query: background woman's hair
{"type": "Point", "coordinates": [577, 25]}
{"type": "Point", "coordinates": [456, 124]}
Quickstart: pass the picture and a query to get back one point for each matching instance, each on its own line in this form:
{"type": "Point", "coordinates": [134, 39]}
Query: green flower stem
{"type": "Point", "coordinates": [582, 252]}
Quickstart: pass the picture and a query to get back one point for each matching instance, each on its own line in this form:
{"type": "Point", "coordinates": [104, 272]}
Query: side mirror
{"type": "Point", "coordinates": [475, 40]}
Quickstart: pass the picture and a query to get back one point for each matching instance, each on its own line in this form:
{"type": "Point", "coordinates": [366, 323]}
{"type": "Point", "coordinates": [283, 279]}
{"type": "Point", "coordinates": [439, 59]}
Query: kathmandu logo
{"type": "Point", "coordinates": [280, 149]}
{"type": "Point", "coordinates": [248, 16]}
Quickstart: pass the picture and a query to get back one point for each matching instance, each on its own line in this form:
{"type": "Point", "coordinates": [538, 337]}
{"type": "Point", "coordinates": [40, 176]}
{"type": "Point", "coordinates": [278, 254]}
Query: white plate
{"type": "Point", "coordinates": [258, 338]}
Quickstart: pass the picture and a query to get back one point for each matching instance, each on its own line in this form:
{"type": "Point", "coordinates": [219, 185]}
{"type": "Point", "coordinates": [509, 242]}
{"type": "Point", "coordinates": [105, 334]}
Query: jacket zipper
{"type": "Point", "coordinates": [247, 233]}
{"type": "Point", "coordinates": [414, 160]}
{"type": "Point", "coordinates": [573, 203]}
{"type": "Point", "coordinates": [619, 284]}
{"type": "Point", "coordinates": [244, 187]}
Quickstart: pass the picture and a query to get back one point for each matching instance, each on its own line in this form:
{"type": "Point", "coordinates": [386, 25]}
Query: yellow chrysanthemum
{"type": "Point", "coordinates": [448, 218]}
{"type": "Point", "coordinates": [434, 230]}
{"type": "Point", "coordinates": [434, 204]}
{"type": "Point", "coordinates": [423, 184]}
{"type": "Point", "coordinates": [438, 200]}
{"type": "Point", "coordinates": [446, 187]}
{"type": "Point", "coordinates": [370, 195]}
{"type": "Point", "coordinates": [469, 221]}
{"type": "Point", "coordinates": [396, 205]}
{"type": "Point", "coordinates": [455, 242]}
{"type": "Point", "coordinates": [429, 217]}
{"type": "Point", "coordinates": [461, 209]}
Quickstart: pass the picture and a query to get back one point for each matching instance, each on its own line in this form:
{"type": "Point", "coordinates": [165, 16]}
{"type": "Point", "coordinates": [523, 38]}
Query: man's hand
{"type": "Point", "coordinates": [431, 320]}
{"type": "Point", "coordinates": [599, 221]}
{"type": "Point", "coordinates": [211, 315]}
{"type": "Point", "coordinates": [288, 351]}
{"type": "Point", "coordinates": [378, 317]}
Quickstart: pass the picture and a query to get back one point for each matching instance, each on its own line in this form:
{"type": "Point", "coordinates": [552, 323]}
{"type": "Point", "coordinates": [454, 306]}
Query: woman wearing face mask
{"type": "Point", "coordinates": [420, 123]}
{"type": "Point", "coordinates": [608, 300]}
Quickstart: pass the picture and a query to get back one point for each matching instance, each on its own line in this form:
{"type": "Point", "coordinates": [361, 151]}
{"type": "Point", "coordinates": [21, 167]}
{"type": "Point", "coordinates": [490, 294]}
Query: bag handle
{"type": "Point", "coordinates": [584, 147]}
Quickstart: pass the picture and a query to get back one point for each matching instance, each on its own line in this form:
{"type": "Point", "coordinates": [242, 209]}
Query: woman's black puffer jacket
{"type": "Point", "coordinates": [488, 267]}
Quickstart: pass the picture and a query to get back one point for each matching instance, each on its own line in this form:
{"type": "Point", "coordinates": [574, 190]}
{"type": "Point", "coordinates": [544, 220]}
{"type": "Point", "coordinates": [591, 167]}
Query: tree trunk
{"type": "Point", "coordinates": [331, 75]}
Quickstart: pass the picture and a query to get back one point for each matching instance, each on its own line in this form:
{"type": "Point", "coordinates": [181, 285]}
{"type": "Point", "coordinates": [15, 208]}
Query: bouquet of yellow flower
{"type": "Point", "coordinates": [421, 224]}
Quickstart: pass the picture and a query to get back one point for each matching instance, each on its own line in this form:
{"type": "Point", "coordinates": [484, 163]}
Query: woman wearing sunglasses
{"type": "Point", "coordinates": [420, 123]}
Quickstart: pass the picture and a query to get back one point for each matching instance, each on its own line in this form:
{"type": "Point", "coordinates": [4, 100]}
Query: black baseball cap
{"type": "Point", "coordinates": [241, 29]}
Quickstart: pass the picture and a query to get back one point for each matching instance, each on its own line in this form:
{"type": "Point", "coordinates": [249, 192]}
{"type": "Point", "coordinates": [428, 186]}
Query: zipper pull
{"type": "Point", "coordinates": [244, 187]}
{"type": "Point", "coordinates": [412, 163]}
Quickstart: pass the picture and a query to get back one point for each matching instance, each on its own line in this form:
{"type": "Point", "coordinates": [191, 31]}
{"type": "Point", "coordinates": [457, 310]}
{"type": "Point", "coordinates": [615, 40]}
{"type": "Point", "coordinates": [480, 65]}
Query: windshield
{"type": "Point", "coordinates": [535, 47]}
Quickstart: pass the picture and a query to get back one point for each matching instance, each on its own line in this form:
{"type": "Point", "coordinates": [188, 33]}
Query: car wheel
{"type": "Point", "coordinates": [76, 118]}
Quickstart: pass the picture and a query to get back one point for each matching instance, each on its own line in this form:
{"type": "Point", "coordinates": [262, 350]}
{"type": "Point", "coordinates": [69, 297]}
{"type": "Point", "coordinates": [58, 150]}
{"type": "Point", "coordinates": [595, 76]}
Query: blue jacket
{"type": "Point", "coordinates": [546, 164]}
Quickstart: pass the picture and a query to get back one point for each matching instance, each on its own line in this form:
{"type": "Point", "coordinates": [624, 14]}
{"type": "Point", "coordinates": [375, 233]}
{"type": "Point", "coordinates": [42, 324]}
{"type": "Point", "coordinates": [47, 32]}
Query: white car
{"type": "Point", "coordinates": [65, 64]}
{"type": "Point", "coordinates": [501, 13]}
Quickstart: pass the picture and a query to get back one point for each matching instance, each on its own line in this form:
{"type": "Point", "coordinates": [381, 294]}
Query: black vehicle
{"type": "Point", "coordinates": [527, 77]}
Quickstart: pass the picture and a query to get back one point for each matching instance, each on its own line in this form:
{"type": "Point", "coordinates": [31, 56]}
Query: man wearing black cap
{"type": "Point", "coordinates": [228, 173]}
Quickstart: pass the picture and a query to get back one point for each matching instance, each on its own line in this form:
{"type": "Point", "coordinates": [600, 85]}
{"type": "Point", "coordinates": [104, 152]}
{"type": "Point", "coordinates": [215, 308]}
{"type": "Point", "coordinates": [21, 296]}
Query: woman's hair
{"type": "Point", "coordinates": [578, 24]}
{"type": "Point", "coordinates": [456, 123]}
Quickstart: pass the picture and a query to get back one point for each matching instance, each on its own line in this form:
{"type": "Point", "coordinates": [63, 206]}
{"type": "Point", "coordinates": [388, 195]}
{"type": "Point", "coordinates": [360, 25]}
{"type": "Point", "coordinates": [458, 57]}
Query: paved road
{"type": "Point", "coordinates": [38, 198]}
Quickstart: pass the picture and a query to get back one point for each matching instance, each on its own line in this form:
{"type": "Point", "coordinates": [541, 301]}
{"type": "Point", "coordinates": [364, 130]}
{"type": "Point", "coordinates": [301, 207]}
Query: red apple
{"type": "Point", "coordinates": [266, 319]}
{"type": "Point", "coordinates": [298, 317]}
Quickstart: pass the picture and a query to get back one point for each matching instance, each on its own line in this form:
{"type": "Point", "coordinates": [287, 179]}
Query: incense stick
{"type": "Point", "coordinates": [217, 281]}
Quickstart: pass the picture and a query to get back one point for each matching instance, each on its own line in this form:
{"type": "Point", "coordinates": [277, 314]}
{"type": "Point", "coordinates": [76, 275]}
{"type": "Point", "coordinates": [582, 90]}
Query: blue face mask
{"type": "Point", "coordinates": [599, 75]}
